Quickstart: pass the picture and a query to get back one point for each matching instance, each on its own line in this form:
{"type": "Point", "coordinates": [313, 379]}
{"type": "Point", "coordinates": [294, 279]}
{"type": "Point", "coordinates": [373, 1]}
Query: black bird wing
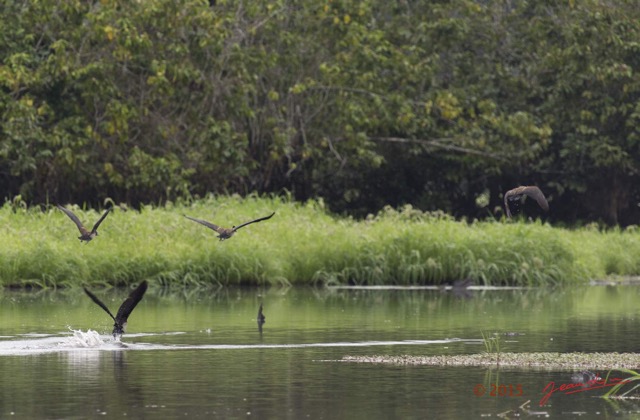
{"type": "Point", "coordinates": [130, 303]}
{"type": "Point", "coordinates": [531, 191]}
{"type": "Point", "coordinates": [99, 302]}
{"type": "Point", "coordinates": [95, 227]}
{"type": "Point", "coordinates": [205, 223]}
{"type": "Point", "coordinates": [74, 218]}
{"type": "Point", "coordinates": [254, 221]}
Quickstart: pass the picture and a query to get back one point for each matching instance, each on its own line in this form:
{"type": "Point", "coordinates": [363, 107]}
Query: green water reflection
{"type": "Point", "coordinates": [154, 378]}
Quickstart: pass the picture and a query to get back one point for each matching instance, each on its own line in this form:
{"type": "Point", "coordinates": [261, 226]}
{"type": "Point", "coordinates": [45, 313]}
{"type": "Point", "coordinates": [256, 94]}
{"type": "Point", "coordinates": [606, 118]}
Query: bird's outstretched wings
{"type": "Point", "coordinates": [531, 191]}
{"type": "Point", "coordinates": [130, 303]}
{"type": "Point", "coordinates": [74, 218]}
{"type": "Point", "coordinates": [254, 221]}
{"type": "Point", "coordinates": [99, 302]}
{"type": "Point", "coordinates": [205, 223]}
{"type": "Point", "coordinates": [95, 227]}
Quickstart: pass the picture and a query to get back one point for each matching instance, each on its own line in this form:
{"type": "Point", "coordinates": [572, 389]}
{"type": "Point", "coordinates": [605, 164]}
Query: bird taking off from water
{"type": "Point", "coordinates": [226, 233]}
{"type": "Point", "coordinates": [85, 235]}
{"type": "Point", "coordinates": [120, 320]}
{"type": "Point", "coordinates": [531, 191]}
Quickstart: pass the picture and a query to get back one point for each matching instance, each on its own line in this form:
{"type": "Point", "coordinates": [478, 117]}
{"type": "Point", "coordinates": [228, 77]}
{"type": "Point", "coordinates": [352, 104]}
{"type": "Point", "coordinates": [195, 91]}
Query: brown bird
{"type": "Point", "coordinates": [120, 320]}
{"type": "Point", "coordinates": [226, 233]}
{"type": "Point", "coordinates": [85, 235]}
{"type": "Point", "coordinates": [531, 191]}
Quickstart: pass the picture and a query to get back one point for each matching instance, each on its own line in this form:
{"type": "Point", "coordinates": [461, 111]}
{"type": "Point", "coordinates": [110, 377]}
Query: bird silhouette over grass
{"type": "Point", "coordinates": [85, 234]}
{"type": "Point", "coordinates": [120, 320]}
{"type": "Point", "coordinates": [516, 194]}
{"type": "Point", "coordinates": [226, 233]}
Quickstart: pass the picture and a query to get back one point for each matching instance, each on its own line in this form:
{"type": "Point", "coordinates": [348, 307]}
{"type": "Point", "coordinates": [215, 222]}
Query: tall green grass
{"type": "Point", "coordinates": [301, 244]}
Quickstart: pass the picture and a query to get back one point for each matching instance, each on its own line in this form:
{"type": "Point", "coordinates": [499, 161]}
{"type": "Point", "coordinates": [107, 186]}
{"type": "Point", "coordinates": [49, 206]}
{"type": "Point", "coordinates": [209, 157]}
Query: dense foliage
{"type": "Point", "coordinates": [440, 104]}
{"type": "Point", "coordinates": [301, 245]}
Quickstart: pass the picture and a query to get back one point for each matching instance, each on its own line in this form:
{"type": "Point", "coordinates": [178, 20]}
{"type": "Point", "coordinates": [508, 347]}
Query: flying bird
{"type": "Point", "coordinates": [531, 191]}
{"type": "Point", "coordinates": [226, 233]}
{"type": "Point", "coordinates": [120, 320]}
{"type": "Point", "coordinates": [85, 235]}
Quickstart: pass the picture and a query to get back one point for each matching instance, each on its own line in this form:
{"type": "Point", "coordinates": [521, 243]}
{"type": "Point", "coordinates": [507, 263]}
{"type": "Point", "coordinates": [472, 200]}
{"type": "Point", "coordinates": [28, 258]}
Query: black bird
{"type": "Point", "coordinates": [226, 233]}
{"type": "Point", "coordinates": [120, 320]}
{"type": "Point", "coordinates": [459, 288]}
{"type": "Point", "coordinates": [586, 378]}
{"type": "Point", "coordinates": [462, 284]}
{"type": "Point", "coordinates": [85, 235]}
{"type": "Point", "coordinates": [260, 319]}
{"type": "Point", "coordinates": [531, 191]}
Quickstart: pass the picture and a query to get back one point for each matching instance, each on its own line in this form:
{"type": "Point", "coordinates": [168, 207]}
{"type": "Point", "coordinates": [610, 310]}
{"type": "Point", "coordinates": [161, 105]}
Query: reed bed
{"type": "Point", "coordinates": [301, 244]}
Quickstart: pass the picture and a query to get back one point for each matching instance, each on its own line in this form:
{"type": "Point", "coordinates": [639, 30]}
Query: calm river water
{"type": "Point", "coordinates": [199, 353]}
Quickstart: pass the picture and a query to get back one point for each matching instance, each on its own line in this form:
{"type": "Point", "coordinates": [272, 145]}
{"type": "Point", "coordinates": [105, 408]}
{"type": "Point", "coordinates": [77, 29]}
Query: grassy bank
{"type": "Point", "coordinates": [301, 244]}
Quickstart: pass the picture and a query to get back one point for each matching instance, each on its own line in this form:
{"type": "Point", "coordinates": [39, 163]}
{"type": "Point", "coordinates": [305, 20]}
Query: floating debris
{"type": "Point", "coordinates": [520, 360]}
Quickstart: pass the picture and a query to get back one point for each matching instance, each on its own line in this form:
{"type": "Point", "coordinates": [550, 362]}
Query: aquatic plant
{"type": "Point", "coordinates": [492, 345]}
{"type": "Point", "coordinates": [632, 383]}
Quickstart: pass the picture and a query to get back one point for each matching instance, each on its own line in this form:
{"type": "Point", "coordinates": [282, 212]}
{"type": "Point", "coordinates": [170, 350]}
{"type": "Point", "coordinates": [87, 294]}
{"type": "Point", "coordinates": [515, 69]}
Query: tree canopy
{"type": "Point", "coordinates": [444, 105]}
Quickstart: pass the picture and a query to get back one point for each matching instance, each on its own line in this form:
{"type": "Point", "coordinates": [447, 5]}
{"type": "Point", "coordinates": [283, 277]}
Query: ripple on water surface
{"type": "Point", "coordinates": [78, 340]}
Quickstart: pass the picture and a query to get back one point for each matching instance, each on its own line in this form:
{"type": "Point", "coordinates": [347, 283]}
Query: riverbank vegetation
{"type": "Point", "coordinates": [301, 244]}
{"type": "Point", "coordinates": [367, 103]}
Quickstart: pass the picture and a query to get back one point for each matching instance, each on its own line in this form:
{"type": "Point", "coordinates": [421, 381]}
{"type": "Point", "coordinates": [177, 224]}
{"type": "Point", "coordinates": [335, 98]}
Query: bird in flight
{"type": "Point", "coordinates": [531, 191]}
{"type": "Point", "coordinates": [226, 233]}
{"type": "Point", "coordinates": [120, 320]}
{"type": "Point", "coordinates": [85, 234]}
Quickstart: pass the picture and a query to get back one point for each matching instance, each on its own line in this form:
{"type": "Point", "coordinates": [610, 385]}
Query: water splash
{"type": "Point", "coordinates": [82, 344]}
{"type": "Point", "coordinates": [87, 339]}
